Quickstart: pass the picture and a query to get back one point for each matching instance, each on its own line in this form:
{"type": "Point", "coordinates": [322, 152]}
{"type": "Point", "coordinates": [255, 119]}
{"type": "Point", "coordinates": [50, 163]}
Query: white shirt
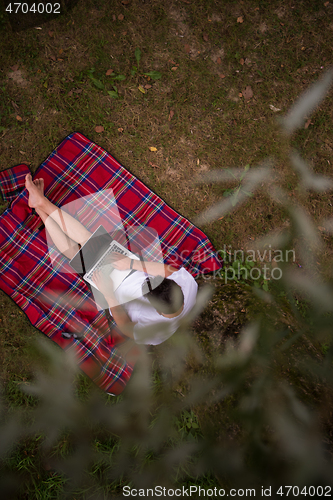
{"type": "Point", "coordinates": [151, 327]}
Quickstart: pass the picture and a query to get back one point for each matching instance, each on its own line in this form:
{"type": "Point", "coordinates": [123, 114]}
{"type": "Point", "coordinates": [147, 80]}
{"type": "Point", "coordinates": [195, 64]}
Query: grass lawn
{"type": "Point", "coordinates": [228, 71]}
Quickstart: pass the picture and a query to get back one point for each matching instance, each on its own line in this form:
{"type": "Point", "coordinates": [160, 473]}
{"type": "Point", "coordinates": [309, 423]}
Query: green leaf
{"type": "Point", "coordinates": [234, 200]}
{"type": "Point", "coordinates": [113, 94]}
{"type": "Point", "coordinates": [133, 71]}
{"type": "Point", "coordinates": [195, 426]}
{"type": "Point", "coordinates": [256, 284]}
{"type": "Point", "coordinates": [228, 192]}
{"type": "Point", "coordinates": [119, 77]}
{"type": "Point", "coordinates": [247, 193]}
{"type": "Point", "coordinates": [154, 75]}
{"type": "Point", "coordinates": [246, 168]}
{"type": "Point", "coordinates": [137, 55]}
{"type": "Point", "coordinates": [96, 82]}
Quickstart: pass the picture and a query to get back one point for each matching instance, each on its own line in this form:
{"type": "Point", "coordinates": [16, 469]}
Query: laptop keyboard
{"type": "Point", "coordinates": [101, 264]}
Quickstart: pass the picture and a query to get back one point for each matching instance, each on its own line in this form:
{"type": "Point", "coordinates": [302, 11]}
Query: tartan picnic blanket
{"type": "Point", "coordinates": [76, 169]}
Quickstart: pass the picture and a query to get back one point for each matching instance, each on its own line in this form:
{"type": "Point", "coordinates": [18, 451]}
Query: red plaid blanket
{"type": "Point", "coordinates": [77, 168]}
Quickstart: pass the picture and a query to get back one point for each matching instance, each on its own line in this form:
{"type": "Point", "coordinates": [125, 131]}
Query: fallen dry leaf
{"type": "Point", "coordinates": [120, 129]}
{"type": "Point", "coordinates": [77, 91]}
{"type": "Point", "coordinates": [307, 123]}
{"type": "Point", "coordinates": [141, 89]}
{"type": "Point", "coordinates": [205, 37]}
{"type": "Point", "coordinates": [125, 2]}
{"type": "Point", "coordinates": [222, 76]}
{"type": "Point", "coordinates": [70, 93]}
{"type": "Point", "coordinates": [15, 67]}
{"type": "Point", "coordinates": [18, 118]}
{"type": "Point", "coordinates": [240, 94]}
{"type": "Point", "coordinates": [174, 68]}
{"type": "Point", "coordinates": [152, 148]}
{"type": "Point", "coordinates": [147, 86]}
{"type": "Point", "coordinates": [113, 17]}
{"type": "Point", "coordinates": [121, 17]}
{"type": "Point", "coordinates": [60, 52]}
{"type": "Point", "coordinates": [109, 72]}
{"type": "Point", "coordinates": [59, 59]}
{"type": "Point", "coordinates": [53, 58]}
{"type": "Point", "coordinates": [242, 61]}
{"type": "Point", "coordinates": [273, 108]}
{"type": "Point", "coordinates": [320, 227]}
{"type": "Point", "coordinates": [124, 33]}
{"type": "Point", "coordinates": [326, 4]}
{"type": "Point", "coordinates": [23, 153]}
{"type": "Point", "coordinates": [171, 114]}
{"type": "Point", "coordinates": [153, 165]}
{"type": "Point", "coordinates": [218, 60]}
{"type": "Point", "coordinates": [240, 19]}
{"type": "Point", "coordinates": [51, 33]}
{"type": "Point", "coordinates": [247, 93]}
{"type": "Point", "coordinates": [99, 129]}
{"type": "Point", "coordinates": [187, 48]}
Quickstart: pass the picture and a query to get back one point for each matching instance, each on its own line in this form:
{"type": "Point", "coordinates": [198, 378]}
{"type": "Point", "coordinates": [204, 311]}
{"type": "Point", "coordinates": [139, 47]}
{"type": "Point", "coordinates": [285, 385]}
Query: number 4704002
{"type": "Point", "coordinates": [311, 491]}
{"type": "Point", "coordinates": [35, 8]}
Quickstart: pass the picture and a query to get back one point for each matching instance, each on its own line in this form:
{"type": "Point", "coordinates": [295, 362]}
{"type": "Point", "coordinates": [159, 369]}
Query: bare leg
{"type": "Point", "coordinates": [64, 243]}
{"type": "Point", "coordinates": [69, 225]}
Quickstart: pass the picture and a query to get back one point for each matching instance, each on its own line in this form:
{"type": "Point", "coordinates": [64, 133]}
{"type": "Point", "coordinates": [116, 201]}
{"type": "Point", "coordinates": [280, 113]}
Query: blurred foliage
{"type": "Point", "coordinates": [164, 429]}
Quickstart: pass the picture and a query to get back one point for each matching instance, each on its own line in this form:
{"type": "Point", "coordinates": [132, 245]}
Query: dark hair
{"type": "Point", "coordinates": [165, 294]}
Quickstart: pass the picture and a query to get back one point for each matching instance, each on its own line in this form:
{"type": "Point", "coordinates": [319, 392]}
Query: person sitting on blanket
{"type": "Point", "coordinates": [149, 319]}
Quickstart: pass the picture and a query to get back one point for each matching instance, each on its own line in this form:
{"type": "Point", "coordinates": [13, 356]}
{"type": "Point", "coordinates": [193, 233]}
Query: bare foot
{"type": "Point", "coordinates": [35, 194]}
{"type": "Point", "coordinates": [39, 183]}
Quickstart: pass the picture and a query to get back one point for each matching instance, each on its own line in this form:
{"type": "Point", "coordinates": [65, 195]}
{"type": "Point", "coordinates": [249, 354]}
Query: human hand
{"type": "Point", "coordinates": [119, 261]}
{"type": "Point", "coordinates": [103, 282]}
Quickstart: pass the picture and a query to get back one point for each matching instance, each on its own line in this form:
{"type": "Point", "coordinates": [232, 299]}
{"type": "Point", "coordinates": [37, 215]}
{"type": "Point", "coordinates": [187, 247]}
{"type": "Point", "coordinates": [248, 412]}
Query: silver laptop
{"type": "Point", "coordinates": [93, 254]}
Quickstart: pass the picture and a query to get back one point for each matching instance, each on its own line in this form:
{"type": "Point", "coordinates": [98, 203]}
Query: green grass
{"type": "Point", "coordinates": [284, 48]}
